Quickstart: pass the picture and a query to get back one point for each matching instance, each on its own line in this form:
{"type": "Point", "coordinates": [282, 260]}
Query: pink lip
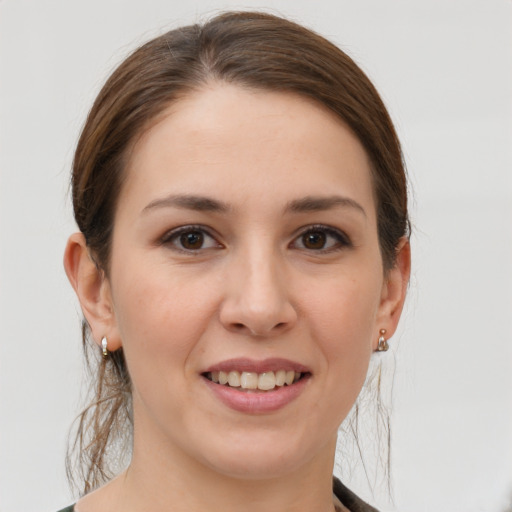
{"type": "Point", "coordinates": [250, 365]}
{"type": "Point", "coordinates": [257, 402]}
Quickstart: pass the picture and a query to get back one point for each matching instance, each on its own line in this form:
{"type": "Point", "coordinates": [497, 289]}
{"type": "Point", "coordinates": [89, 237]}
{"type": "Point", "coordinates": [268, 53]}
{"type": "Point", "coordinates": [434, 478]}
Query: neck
{"type": "Point", "coordinates": [162, 477]}
{"type": "Point", "coordinates": [192, 487]}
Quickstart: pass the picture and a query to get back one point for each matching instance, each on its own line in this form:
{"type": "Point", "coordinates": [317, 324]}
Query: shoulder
{"type": "Point", "coordinates": [349, 499]}
{"type": "Point", "coordinates": [344, 494]}
{"type": "Point", "coordinates": [71, 508]}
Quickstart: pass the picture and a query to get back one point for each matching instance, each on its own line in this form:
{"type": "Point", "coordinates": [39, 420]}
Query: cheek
{"type": "Point", "coordinates": [345, 316]}
{"type": "Point", "coordinates": [160, 317]}
{"type": "Point", "coordinates": [346, 308]}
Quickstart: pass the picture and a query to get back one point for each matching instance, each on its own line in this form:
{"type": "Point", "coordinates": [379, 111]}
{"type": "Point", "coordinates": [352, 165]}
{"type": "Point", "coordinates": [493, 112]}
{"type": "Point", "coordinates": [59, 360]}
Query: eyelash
{"type": "Point", "coordinates": [341, 239]}
{"type": "Point", "coordinates": [172, 236]}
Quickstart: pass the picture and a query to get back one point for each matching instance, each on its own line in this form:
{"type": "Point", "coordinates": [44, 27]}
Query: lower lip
{"type": "Point", "coordinates": [257, 402]}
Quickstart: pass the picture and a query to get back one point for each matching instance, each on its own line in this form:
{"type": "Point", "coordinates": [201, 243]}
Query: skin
{"type": "Point", "coordinates": [255, 288]}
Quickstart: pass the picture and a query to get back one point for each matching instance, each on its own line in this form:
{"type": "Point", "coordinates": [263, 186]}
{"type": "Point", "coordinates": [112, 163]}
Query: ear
{"type": "Point", "coordinates": [394, 290]}
{"type": "Point", "coordinates": [92, 288]}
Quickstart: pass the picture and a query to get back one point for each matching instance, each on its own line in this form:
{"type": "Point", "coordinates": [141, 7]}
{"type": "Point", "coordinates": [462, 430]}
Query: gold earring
{"type": "Point", "coordinates": [383, 345]}
{"type": "Point", "coordinates": [104, 343]}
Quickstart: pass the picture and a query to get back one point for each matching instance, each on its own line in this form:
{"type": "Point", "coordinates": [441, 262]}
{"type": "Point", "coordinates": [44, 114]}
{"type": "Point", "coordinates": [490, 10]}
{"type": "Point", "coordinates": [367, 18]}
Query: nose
{"type": "Point", "coordinates": [257, 300]}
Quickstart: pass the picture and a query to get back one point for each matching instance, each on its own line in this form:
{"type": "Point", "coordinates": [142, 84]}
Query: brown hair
{"type": "Point", "coordinates": [250, 49]}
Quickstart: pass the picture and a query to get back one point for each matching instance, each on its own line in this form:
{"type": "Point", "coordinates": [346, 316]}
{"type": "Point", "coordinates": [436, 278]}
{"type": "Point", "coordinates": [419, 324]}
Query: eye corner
{"type": "Point", "coordinates": [327, 239]}
{"type": "Point", "coordinates": [175, 239]}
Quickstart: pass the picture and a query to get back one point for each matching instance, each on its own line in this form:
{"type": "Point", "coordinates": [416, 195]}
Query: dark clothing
{"type": "Point", "coordinates": [349, 499]}
{"type": "Point", "coordinates": [346, 496]}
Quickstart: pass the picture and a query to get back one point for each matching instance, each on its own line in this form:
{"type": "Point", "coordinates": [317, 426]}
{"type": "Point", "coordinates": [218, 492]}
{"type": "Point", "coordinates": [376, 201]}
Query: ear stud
{"type": "Point", "coordinates": [383, 345]}
{"type": "Point", "coordinates": [104, 344]}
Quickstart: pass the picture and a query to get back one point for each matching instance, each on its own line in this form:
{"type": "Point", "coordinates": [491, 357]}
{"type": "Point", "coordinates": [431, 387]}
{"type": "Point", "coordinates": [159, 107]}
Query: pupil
{"type": "Point", "coordinates": [314, 240]}
{"type": "Point", "coordinates": [192, 240]}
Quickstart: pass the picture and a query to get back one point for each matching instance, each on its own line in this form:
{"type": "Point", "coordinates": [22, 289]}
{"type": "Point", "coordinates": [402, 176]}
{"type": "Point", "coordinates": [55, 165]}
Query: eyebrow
{"type": "Point", "coordinates": [189, 202]}
{"type": "Point", "coordinates": [207, 204]}
{"type": "Point", "coordinates": [320, 203]}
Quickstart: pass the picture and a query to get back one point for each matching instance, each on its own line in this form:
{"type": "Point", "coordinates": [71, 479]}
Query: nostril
{"type": "Point", "coordinates": [241, 327]}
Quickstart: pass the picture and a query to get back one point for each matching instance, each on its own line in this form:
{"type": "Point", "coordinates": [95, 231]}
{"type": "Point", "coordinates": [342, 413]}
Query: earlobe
{"type": "Point", "coordinates": [395, 289]}
{"type": "Point", "coordinates": [92, 289]}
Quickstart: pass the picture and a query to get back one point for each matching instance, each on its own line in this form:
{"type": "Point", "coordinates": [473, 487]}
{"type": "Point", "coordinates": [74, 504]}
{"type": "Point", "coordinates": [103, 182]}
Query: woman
{"type": "Point", "coordinates": [242, 252]}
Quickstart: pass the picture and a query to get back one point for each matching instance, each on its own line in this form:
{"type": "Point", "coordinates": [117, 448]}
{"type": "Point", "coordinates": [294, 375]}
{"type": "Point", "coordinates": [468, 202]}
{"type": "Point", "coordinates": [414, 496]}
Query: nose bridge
{"type": "Point", "coordinates": [258, 300]}
{"type": "Point", "coordinates": [262, 284]}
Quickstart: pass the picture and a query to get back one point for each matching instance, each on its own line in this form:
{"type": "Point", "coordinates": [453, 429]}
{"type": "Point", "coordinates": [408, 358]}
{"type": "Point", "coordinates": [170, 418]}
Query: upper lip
{"type": "Point", "coordinates": [243, 364]}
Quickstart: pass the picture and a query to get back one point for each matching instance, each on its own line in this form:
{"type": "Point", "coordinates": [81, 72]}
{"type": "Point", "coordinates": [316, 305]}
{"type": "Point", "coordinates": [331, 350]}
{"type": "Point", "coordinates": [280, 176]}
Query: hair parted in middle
{"type": "Point", "coordinates": [248, 49]}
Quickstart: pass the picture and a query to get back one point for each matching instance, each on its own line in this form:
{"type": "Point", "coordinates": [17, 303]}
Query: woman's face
{"type": "Point", "coordinates": [245, 242]}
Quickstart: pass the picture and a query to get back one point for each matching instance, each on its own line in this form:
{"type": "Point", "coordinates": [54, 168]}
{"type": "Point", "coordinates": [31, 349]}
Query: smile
{"type": "Point", "coordinates": [252, 381]}
{"type": "Point", "coordinates": [257, 386]}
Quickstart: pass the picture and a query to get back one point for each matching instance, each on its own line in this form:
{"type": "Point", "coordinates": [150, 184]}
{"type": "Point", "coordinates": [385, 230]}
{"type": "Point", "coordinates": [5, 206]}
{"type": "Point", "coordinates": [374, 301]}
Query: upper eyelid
{"type": "Point", "coordinates": [168, 235]}
{"type": "Point", "coordinates": [322, 227]}
{"type": "Point", "coordinates": [343, 239]}
{"type": "Point", "coordinates": [171, 233]}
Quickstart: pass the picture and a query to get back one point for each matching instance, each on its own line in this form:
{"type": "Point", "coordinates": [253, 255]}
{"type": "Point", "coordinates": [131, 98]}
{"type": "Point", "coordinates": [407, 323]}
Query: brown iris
{"type": "Point", "coordinates": [192, 240]}
{"type": "Point", "coordinates": [314, 240]}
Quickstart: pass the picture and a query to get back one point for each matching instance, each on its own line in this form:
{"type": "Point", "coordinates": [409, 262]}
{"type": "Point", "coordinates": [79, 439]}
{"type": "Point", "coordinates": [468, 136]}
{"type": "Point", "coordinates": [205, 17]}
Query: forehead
{"type": "Point", "coordinates": [226, 140]}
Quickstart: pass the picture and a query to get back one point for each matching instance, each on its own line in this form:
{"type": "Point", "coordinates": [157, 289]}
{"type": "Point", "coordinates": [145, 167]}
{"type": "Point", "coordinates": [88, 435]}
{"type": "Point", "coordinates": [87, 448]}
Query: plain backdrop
{"type": "Point", "coordinates": [444, 68]}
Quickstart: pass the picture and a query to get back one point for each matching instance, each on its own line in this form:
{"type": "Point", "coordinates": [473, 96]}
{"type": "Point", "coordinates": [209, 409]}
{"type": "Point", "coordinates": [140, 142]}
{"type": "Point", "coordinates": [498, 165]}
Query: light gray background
{"type": "Point", "coordinates": [444, 69]}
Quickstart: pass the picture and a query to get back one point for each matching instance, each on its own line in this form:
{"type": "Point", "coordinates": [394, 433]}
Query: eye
{"type": "Point", "coordinates": [321, 239]}
{"type": "Point", "coordinates": [190, 239]}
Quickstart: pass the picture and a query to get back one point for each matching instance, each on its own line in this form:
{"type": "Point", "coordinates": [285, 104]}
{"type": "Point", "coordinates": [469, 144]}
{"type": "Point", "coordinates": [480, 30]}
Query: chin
{"type": "Point", "coordinates": [256, 468]}
{"type": "Point", "coordinates": [262, 457]}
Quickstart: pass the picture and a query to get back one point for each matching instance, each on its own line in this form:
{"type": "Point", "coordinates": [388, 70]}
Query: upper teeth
{"type": "Point", "coordinates": [251, 380]}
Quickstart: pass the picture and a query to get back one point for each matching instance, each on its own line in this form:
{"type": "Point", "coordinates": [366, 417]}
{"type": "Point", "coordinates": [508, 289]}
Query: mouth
{"type": "Point", "coordinates": [255, 382]}
{"type": "Point", "coordinates": [257, 386]}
